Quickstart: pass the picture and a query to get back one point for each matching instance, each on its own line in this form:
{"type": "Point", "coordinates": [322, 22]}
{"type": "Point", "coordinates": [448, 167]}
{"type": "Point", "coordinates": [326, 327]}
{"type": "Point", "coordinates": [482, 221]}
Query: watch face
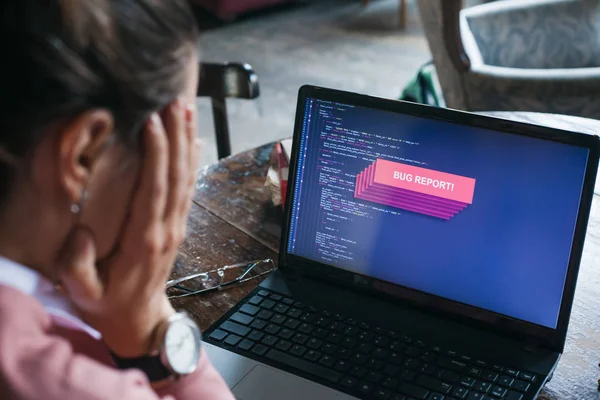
{"type": "Point", "coordinates": [182, 346]}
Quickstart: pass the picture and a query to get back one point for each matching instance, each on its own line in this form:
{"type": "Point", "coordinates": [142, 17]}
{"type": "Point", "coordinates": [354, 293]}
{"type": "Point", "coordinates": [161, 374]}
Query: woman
{"type": "Point", "coordinates": [97, 161]}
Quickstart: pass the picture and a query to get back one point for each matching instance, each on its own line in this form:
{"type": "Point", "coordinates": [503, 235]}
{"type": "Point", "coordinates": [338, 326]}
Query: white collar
{"type": "Point", "coordinates": [33, 284]}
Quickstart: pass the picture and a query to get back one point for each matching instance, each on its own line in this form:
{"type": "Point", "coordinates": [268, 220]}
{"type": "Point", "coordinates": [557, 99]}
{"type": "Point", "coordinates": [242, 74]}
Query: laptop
{"type": "Point", "coordinates": [426, 254]}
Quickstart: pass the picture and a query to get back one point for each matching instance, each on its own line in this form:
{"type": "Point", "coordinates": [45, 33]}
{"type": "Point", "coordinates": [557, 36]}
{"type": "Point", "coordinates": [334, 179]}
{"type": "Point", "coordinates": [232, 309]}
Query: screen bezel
{"type": "Point", "coordinates": [523, 330]}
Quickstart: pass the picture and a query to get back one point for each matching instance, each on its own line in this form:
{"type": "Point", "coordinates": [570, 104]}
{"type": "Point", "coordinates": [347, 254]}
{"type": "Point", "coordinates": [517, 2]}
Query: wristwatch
{"type": "Point", "coordinates": [178, 354]}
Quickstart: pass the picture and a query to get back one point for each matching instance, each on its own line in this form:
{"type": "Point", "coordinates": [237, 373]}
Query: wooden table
{"type": "Point", "coordinates": [233, 220]}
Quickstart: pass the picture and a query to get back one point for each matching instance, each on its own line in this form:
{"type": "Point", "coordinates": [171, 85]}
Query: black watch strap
{"type": "Point", "coordinates": [152, 366]}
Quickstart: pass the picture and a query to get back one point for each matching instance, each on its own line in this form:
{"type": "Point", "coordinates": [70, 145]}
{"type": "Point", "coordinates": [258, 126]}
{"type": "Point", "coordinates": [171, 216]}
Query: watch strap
{"type": "Point", "coordinates": [151, 365]}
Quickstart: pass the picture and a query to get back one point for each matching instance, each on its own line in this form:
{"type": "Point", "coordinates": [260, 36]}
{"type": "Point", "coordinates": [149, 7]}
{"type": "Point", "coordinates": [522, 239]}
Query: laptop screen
{"type": "Point", "coordinates": [477, 216]}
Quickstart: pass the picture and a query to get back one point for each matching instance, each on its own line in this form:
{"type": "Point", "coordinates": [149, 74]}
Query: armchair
{"type": "Point", "coordinates": [517, 55]}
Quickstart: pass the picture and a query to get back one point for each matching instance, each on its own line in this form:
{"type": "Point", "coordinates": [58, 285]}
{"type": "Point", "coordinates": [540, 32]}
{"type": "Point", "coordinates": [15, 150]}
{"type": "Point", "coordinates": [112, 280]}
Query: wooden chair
{"type": "Point", "coordinates": [220, 81]}
{"type": "Point", "coordinates": [403, 11]}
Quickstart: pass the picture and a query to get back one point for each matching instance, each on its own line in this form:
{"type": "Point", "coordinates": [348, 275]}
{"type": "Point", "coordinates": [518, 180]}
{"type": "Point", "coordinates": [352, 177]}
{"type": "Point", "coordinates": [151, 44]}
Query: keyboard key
{"type": "Point", "coordinates": [327, 360]}
{"type": "Point", "coordinates": [381, 341]}
{"type": "Point", "coordinates": [268, 304]}
{"type": "Point", "coordinates": [489, 376]}
{"type": "Point", "coordinates": [521, 386]}
{"type": "Point", "coordinates": [452, 364]}
{"type": "Point", "coordinates": [314, 344]}
{"type": "Point", "coordinates": [312, 355]}
{"type": "Point", "coordinates": [305, 328]}
{"type": "Point", "coordinates": [349, 342]}
{"type": "Point", "coordinates": [351, 321]}
{"type": "Point", "coordinates": [429, 369]}
{"type": "Point", "coordinates": [270, 340]}
{"type": "Point", "coordinates": [428, 356]}
{"type": "Point", "coordinates": [397, 396]}
{"type": "Point", "coordinates": [218, 335]}
{"type": "Point", "coordinates": [433, 384]}
{"type": "Point", "coordinates": [397, 346]}
{"type": "Point", "coordinates": [258, 324]}
{"type": "Point", "coordinates": [288, 301]}
{"type": "Point", "coordinates": [351, 332]}
{"type": "Point", "coordinates": [406, 339]}
{"type": "Point", "coordinates": [452, 377]}
{"type": "Point", "coordinates": [365, 336]}
{"type": "Point", "coordinates": [300, 338]}
{"type": "Point", "coordinates": [286, 333]}
{"type": "Point", "coordinates": [365, 348]}
{"type": "Point", "coordinates": [337, 327]}
{"type": "Point", "coordinates": [375, 364]}
{"type": "Point", "coordinates": [299, 305]}
{"type": "Point", "coordinates": [256, 336]}
{"type": "Point", "coordinates": [413, 364]}
{"type": "Point", "coordinates": [413, 391]}
{"type": "Point", "coordinates": [359, 358]}
{"type": "Point", "coordinates": [295, 313]}
{"type": "Point", "coordinates": [272, 329]}
{"type": "Point", "coordinates": [381, 393]}
{"type": "Point", "coordinates": [412, 351]}
{"type": "Point", "coordinates": [358, 371]}
{"type": "Point", "coordinates": [321, 333]}
{"type": "Point", "coordinates": [232, 327]}
{"type": "Point", "coordinates": [474, 371]}
{"type": "Point", "coordinates": [505, 381]}
{"type": "Point", "coordinates": [265, 314]}
{"type": "Point", "coordinates": [390, 383]}
{"type": "Point", "coordinates": [249, 309]}
{"type": "Point", "coordinates": [329, 349]}
{"type": "Point", "coordinates": [514, 396]}
{"type": "Point", "coordinates": [246, 344]}
{"type": "Point", "coordinates": [342, 366]}
{"type": "Point", "coordinates": [298, 350]}
{"type": "Point", "coordinates": [344, 354]}
{"type": "Point", "coordinates": [281, 308]}
{"type": "Point", "coordinates": [303, 365]}
{"type": "Point", "coordinates": [365, 388]}
{"type": "Point", "coordinates": [391, 370]}
{"type": "Point", "coordinates": [511, 372]}
{"type": "Point", "coordinates": [498, 391]}
{"type": "Point", "coordinates": [308, 317]}
{"type": "Point", "coordinates": [420, 343]}
{"type": "Point", "coordinates": [476, 396]}
{"type": "Point", "coordinates": [481, 363]}
{"type": "Point", "coordinates": [467, 381]}
{"type": "Point", "coordinates": [255, 300]}
{"type": "Point", "coordinates": [437, 349]}
{"type": "Point", "coordinates": [497, 368]}
{"type": "Point", "coordinates": [395, 358]}
{"type": "Point", "coordinates": [322, 322]}
{"type": "Point", "coordinates": [374, 377]}
{"type": "Point", "coordinates": [460, 392]}
{"type": "Point", "coordinates": [334, 338]}
{"type": "Point", "coordinates": [407, 375]}
{"type": "Point", "coordinates": [276, 297]}
{"type": "Point", "coordinates": [349, 382]}
{"type": "Point", "coordinates": [263, 293]}
{"type": "Point", "coordinates": [482, 386]}
{"type": "Point", "coordinates": [291, 323]}
{"type": "Point", "coordinates": [364, 325]}
{"type": "Point", "coordinates": [260, 349]}
{"type": "Point", "coordinates": [526, 376]}
{"type": "Point", "coordinates": [379, 353]}
{"type": "Point", "coordinates": [436, 396]}
{"type": "Point", "coordinates": [241, 318]}
{"type": "Point", "coordinates": [232, 340]}
{"type": "Point", "coordinates": [465, 358]}
{"type": "Point", "coordinates": [278, 319]}
{"type": "Point", "coordinates": [283, 345]}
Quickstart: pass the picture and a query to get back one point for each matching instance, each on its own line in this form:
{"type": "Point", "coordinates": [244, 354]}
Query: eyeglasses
{"type": "Point", "coordinates": [219, 279]}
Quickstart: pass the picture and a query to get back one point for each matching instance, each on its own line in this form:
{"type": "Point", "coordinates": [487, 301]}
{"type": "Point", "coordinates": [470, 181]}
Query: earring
{"type": "Point", "coordinates": [77, 207]}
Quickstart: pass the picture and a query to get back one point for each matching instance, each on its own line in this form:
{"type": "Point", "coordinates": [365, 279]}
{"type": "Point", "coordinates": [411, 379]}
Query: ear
{"type": "Point", "coordinates": [80, 144]}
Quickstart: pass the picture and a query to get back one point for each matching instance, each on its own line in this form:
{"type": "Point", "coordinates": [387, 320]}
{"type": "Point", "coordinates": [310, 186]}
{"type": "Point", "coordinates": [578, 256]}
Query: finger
{"type": "Point", "coordinates": [78, 272]}
{"type": "Point", "coordinates": [178, 159]}
{"type": "Point", "coordinates": [149, 201]}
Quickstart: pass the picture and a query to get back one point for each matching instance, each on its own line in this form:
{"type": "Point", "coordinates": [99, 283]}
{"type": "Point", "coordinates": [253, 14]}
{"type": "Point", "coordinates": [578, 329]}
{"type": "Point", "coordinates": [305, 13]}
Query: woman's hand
{"type": "Point", "coordinates": [124, 298]}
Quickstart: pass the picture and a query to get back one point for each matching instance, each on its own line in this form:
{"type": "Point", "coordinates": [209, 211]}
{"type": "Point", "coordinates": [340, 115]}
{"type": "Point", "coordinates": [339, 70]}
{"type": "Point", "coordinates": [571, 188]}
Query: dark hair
{"type": "Point", "coordinates": [62, 57]}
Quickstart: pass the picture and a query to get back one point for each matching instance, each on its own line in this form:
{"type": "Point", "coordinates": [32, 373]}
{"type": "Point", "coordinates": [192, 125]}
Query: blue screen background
{"type": "Point", "coordinates": [507, 252]}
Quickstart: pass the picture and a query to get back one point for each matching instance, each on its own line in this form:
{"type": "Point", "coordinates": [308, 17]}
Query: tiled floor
{"type": "Point", "coordinates": [334, 43]}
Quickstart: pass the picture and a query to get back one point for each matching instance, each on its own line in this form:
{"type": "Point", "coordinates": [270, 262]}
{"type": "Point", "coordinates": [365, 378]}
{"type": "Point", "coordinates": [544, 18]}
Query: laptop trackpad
{"type": "Point", "coordinates": [263, 383]}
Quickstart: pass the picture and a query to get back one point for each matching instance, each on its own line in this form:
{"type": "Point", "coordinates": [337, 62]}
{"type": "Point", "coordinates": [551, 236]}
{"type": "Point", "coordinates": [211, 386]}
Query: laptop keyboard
{"type": "Point", "coordinates": [360, 359]}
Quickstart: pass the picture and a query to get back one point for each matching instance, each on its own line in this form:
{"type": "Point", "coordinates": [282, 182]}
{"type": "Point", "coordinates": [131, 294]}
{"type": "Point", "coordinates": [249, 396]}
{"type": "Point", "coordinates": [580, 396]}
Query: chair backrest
{"type": "Point", "coordinates": [440, 20]}
{"type": "Point", "coordinates": [220, 81]}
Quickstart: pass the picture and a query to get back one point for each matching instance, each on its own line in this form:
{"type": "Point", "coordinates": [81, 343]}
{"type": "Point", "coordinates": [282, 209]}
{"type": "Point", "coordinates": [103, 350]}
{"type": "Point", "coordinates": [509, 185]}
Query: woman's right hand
{"type": "Point", "coordinates": [124, 298]}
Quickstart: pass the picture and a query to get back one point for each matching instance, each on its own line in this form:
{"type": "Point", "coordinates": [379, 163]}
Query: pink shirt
{"type": "Point", "coordinates": [47, 352]}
